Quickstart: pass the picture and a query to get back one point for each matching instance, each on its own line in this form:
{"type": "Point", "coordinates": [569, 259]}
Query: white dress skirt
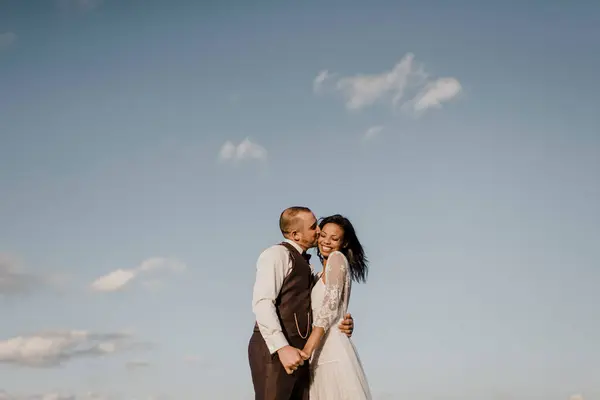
{"type": "Point", "coordinates": [336, 370]}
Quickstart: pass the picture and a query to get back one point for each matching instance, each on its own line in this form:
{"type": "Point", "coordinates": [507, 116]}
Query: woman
{"type": "Point", "coordinates": [336, 370]}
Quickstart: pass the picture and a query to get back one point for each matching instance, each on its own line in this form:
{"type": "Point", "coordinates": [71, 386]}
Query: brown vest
{"type": "Point", "coordinates": [293, 302]}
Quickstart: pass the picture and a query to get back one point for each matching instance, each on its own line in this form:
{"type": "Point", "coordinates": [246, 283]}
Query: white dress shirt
{"type": "Point", "coordinates": [273, 265]}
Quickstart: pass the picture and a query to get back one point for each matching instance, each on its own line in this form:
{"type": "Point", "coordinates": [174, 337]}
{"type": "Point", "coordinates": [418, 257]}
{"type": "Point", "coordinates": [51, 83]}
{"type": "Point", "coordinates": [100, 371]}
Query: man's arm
{"type": "Point", "coordinates": [271, 269]}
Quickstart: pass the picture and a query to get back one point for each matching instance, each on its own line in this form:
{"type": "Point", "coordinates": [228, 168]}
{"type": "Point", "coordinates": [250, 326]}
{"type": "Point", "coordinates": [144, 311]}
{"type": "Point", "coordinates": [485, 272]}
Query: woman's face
{"type": "Point", "coordinates": [330, 239]}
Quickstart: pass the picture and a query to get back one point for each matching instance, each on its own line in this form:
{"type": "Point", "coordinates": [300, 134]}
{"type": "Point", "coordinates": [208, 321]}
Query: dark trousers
{"type": "Point", "coordinates": [269, 378]}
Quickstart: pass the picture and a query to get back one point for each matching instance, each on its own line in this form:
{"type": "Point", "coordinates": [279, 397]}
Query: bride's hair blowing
{"type": "Point", "coordinates": [351, 247]}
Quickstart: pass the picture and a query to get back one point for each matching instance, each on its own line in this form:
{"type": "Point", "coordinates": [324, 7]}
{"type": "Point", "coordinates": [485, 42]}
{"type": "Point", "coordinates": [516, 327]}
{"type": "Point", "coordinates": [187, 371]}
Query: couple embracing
{"type": "Point", "coordinates": [301, 342]}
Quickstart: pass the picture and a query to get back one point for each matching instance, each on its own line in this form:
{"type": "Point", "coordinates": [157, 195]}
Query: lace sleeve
{"type": "Point", "coordinates": [335, 282]}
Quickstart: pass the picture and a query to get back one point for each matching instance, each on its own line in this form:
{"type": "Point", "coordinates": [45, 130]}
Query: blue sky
{"type": "Point", "coordinates": [162, 139]}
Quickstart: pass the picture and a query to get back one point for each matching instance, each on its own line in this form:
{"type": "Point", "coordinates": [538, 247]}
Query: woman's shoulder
{"type": "Point", "coordinates": [338, 256]}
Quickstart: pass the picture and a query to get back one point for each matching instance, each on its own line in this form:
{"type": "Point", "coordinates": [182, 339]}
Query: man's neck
{"type": "Point", "coordinates": [296, 245]}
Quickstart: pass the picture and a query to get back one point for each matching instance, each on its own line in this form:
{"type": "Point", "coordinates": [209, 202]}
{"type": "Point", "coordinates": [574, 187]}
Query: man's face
{"type": "Point", "coordinates": [307, 231]}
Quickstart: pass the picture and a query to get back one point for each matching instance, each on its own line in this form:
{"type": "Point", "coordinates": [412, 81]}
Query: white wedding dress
{"type": "Point", "coordinates": [336, 370]}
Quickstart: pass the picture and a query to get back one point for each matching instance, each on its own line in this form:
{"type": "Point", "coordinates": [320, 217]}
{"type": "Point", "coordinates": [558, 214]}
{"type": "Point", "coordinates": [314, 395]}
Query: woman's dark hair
{"type": "Point", "coordinates": [351, 247]}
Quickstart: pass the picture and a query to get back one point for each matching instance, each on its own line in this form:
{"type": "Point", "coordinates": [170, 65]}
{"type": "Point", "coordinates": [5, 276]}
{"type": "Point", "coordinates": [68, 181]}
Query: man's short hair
{"type": "Point", "coordinates": [289, 218]}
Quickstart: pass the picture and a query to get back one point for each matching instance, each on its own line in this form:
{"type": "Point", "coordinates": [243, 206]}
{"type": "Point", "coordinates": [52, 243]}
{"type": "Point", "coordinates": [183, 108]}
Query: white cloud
{"type": "Point", "coordinates": [245, 150]}
{"type": "Point", "coordinates": [7, 39]}
{"type": "Point", "coordinates": [393, 87]}
{"type": "Point", "coordinates": [227, 150]}
{"type": "Point", "coordinates": [320, 79]}
{"type": "Point", "coordinates": [437, 92]}
{"type": "Point", "coordinates": [372, 132]}
{"type": "Point", "coordinates": [248, 150]}
{"type": "Point", "coordinates": [113, 281]}
{"type": "Point", "coordinates": [121, 278]}
{"type": "Point", "coordinates": [364, 90]}
{"type": "Point", "coordinates": [47, 349]}
{"type": "Point", "coordinates": [576, 397]}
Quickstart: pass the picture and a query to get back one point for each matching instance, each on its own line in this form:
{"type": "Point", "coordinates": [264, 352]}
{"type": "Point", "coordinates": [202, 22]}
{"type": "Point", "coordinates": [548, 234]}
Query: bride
{"type": "Point", "coordinates": [336, 370]}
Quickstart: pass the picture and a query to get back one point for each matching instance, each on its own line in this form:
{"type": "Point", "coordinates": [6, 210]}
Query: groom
{"type": "Point", "coordinates": [281, 303]}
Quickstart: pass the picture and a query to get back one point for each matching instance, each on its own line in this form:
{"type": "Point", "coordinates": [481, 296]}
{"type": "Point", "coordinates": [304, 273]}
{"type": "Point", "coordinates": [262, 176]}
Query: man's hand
{"type": "Point", "coordinates": [347, 325]}
{"type": "Point", "coordinates": [291, 358]}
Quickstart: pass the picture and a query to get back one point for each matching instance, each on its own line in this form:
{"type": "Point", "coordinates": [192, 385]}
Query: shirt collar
{"type": "Point", "coordinates": [296, 245]}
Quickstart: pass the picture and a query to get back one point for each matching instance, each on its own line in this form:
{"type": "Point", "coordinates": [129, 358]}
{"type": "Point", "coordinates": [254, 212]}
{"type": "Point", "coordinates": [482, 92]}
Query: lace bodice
{"type": "Point", "coordinates": [334, 303]}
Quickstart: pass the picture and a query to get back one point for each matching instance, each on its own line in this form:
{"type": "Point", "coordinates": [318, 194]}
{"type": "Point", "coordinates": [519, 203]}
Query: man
{"type": "Point", "coordinates": [281, 303]}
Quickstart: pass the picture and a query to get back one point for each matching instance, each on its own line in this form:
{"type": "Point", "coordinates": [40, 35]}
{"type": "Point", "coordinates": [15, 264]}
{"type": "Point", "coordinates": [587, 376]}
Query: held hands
{"type": "Point", "coordinates": [307, 353]}
{"type": "Point", "coordinates": [347, 325]}
{"type": "Point", "coordinates": [291, 358]}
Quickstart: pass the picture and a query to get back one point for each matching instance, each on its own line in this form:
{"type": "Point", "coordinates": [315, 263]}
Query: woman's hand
{"type": "Point", "coordinates": [307, 353]}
